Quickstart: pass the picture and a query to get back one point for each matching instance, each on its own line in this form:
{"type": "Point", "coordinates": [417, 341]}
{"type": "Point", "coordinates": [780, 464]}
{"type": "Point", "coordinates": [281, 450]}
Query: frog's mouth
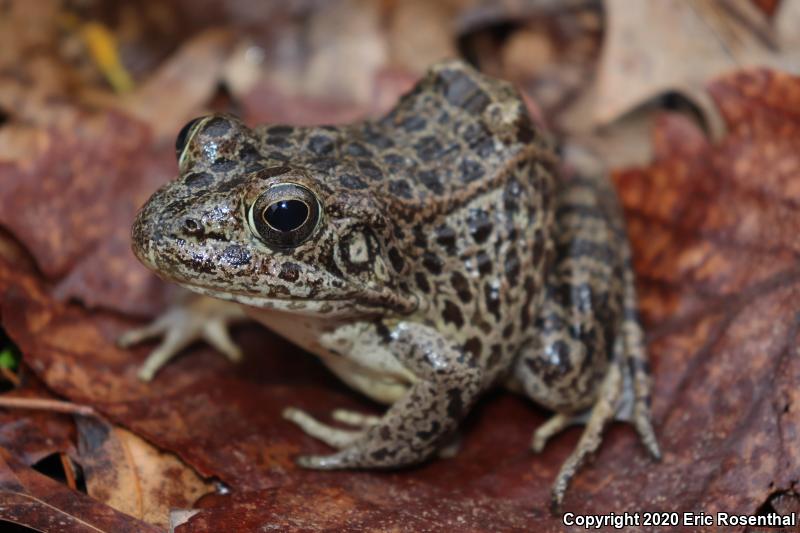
{"type": "Point", "coordinates": [365, 303]}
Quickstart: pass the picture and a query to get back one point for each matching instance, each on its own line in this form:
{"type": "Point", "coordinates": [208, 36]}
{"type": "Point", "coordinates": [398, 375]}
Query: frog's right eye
{"type": "Point", "coordinates": [285, 215]}
{"type": "Point", "coordinates": [184, 135]}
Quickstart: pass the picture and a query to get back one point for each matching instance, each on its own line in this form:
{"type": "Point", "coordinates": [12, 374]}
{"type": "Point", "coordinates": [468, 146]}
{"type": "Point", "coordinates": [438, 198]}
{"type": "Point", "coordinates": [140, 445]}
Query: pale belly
{"type": "Point", "coordinates": [349, 350]}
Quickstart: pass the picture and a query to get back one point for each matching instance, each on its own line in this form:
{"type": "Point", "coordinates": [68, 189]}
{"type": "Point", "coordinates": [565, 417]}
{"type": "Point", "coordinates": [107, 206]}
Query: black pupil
{"type": "Point", "coordinates": [286, 215]}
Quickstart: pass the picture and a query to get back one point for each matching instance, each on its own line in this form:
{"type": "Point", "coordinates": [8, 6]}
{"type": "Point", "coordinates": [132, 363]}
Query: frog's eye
{"type": "Point", "coordinates": [285, 215]}
{"type": "Point", "coordinates": [184, 135]}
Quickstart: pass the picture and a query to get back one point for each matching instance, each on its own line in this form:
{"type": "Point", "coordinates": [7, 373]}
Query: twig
{"type": "Point", "coordinates": [69, 472]}
{"type": "Point", "coordinates": [10, 376]}
{"type": "Point", "coordinates": [45, 404]}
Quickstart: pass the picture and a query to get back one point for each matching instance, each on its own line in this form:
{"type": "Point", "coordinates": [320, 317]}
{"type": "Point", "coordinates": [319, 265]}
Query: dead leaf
{"type": "Point", "coordinates": [182, 87]}
{"type": "Point", "coordinates": [31, 499]}
{"type": "Point", "coordinates": [715, 233]}
{"type": "Point", "coordinates": [30, 436]}
{"type": "Point", "coordinates": [652, 48]}
{"type": "Point", "coordinates": [130, 475]}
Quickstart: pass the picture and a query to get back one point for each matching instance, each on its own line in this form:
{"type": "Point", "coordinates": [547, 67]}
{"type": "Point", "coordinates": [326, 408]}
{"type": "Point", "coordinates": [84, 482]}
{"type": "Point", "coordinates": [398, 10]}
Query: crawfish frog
{"type": "Point", "coordinates": [425, 256]}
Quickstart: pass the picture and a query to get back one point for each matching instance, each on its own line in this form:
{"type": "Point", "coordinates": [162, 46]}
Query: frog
{"type": "Point", "coordinates": [426, 256]}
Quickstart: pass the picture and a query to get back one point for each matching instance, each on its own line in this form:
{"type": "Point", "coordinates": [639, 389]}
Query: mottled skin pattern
{"type": "Point", "coordinates": [445, 260]}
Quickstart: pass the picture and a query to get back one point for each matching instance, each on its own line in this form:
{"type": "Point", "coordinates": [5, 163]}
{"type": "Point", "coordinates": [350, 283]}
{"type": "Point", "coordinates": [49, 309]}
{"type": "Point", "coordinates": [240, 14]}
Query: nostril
{"type": "Point", "coordinates": [192, 226]}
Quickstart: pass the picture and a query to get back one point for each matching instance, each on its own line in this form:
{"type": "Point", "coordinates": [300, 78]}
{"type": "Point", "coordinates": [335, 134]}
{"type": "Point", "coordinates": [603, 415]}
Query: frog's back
{"type": "Point", "coordinates": [451, 138]}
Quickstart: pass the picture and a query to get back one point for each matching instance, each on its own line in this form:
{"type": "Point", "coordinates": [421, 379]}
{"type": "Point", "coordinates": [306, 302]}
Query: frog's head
{"type": "Point", "coordinates": [268, 233]}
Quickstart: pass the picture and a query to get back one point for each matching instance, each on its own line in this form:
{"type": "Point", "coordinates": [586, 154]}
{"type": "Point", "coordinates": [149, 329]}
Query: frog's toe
{"type": "Point", "coordinates": [334, 461]}
{"type": "Point", "coordinates": [644, 427]}
{"type": "Point", "coordinates": [182, 325]}
{"type": "Point", "coordinates": [216, 333]}
{"type": "Point", "coordinates": [354, 418]}
{"type": "Point", "coordinates": [334, 437]}
{"type": "Point", "coordinates": [554, 425]}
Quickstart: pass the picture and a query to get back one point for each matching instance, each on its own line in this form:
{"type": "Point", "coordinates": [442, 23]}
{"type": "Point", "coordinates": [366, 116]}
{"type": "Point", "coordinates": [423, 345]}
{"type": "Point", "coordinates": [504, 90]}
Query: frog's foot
{"type": "Point", "coordinates": [333, 437]}
{"type": "Point", "coordinates": [603, 411]}
{"type": "Point", "coordinates": [338, 438]}
{"type": "Point", "coordinates": [417, 424]}
{"type": "Point", "coordinates": [179, 326]}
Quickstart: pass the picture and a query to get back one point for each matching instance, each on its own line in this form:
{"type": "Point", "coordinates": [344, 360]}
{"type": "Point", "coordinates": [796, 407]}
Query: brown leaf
{"type": "Point", "coordinates": [31, 499]}
{"type": "Point", "coordinates": [714, 229]}
{"type": "Point", "coordinates": [679, 45]}
{"type": "Point", "coordinates": [715, 234]}
{"type": "Point", "coordinates": [182, 87]}
{"type": "Point", "coordinates": [30, 436]}
{"type": "Point", "coordinates": [132, 476]}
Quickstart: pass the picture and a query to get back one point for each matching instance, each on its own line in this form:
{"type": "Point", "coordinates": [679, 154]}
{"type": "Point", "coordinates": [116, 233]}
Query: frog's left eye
{"type": "Point", "coordinates": [184, 135]}
{"type": "Point", "coordinates": [285, 215]}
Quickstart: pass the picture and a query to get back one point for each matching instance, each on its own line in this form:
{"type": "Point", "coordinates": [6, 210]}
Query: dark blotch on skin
{"type": "Point", "coordinates": [452, 314]}
{"type": "Point", "coordinates": [480, 140]}
{"type": "Point", "coordinates": [462, 92]}
{"type": "Point", "coordinates": [249, 154]}
{"type": "Point", "coordinates": [422, 282]}
{"type": "Point", "coordinates": [470, 170]}
{"type": "Point", "coordinates": [455, 405]}
{"type": "Point", "coordinates": [473, 346]}
{"type": "Point", "coordinates": [495, 355]}
{"type": "Point", "coordinates": [223, 165]}
{"type": "Point", "coordinates": [236, 255]}
{"type": "Point", "coordinates": [374, 137]}
{"type": "Point", "coordinates": [370, 170]}
{"type": "Point", "coordinates": [198, 180]}
{"type": "Point", "coordinates": [432, 263]}
{"type": "Point", "coordinates": [446, 238]}
{"type": "Point", "coordinates": [289, 272]}
{"type": "Point", "coordinates": [351, 181]}
{"type": "Point", "coordinates": [357, 150]}
{"type": "Point", "coordinates": [492, 300]}
{"type": "Point", "coordinates": [484, 263]}
{"type": "Point", "coordinates": [525, 315]}
{"type": "Point", "coordinates": [216, 127]}
{"type": "Point", "coordinates": [428, 148]}
{"type": "Point", "coordinates": [396, 162]}
{"type": "Point", "coordinates": [400, 188]}
{"type": "Point", "coordinates": [320, 144]}
{"type": "Point", "coordinates": [480, 227]}
{"type": "Point", "coordinates": [512, 268]}
{"type": "Point", "coordinates": [427, 435]}
{"type": "Point", "coordinates": [431, 180]}
{"type": "Point", "coordinates": [278, 142]}
{"type": "Point", "coordinates": [414, 123]}
{"type": "Point", "coordinates": [461, 286]}
{"type": "Point", "coordinates": [538, 248]}
{"type": "Point", "coordinates": [271, 172]}
{"type": "Point", "coordinates": [396, 259]}
{"type": "Point", "coordinates": [383, 332]}
{"type": "Point", "coordinates": [280, 130]}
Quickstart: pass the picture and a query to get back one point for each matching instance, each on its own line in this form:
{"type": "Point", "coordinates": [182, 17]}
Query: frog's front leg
{"type": "Point", "coordinates": [448, 383]}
